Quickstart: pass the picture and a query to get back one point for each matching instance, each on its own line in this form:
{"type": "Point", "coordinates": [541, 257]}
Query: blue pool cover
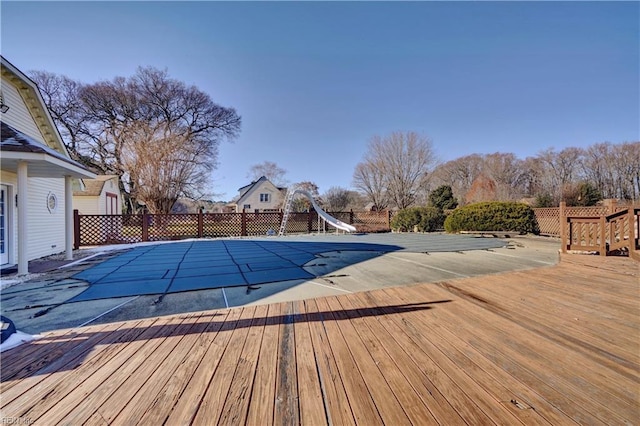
{"type": "Point", "coordinates": [208, 264]}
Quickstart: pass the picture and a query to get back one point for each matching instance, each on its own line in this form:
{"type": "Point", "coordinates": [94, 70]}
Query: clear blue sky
{"type": "Point", "coordinates": [314, 81]}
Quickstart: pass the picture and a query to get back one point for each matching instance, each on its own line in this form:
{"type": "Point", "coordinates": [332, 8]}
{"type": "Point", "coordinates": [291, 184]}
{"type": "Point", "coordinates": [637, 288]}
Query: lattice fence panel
{"type": "Point", "coordinates": [548, 220]}
{"type": "Point", "coordinates": [371, 221]}
{"type": "Point", "coordinates": [322, 226]}
{"type": "Point", "coordinates": [298, 223]}
{"type": "Point", "coordinates": [110, 229]}
{"type": "Point", "coordinates": [163, 227]}
{"type": "Point", "coordinates": [222, 225]}
{"type": "Point", "coordinates": [263, 222]}
{"type": "Point", "coordinates": [576, 211]}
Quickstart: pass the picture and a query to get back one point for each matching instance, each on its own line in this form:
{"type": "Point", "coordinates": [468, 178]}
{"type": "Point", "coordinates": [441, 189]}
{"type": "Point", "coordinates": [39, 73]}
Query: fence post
{"type": "Point", "coordinates": [634, 232]}
{"type": "Point", "coordinates": [563, 225]}
{"type": "Point", "coordinates": [76, 229]}
{"type": "Point", "coordinates": [145, 227]}
{"type": "Point", "coordinates": [388, 219]}
{"type": "Point", "coordinates": [243, 226]}
{"type": "Point", "coordinates": [611, 204]}
{"type": "Point", "coordinates": [309, 222]}
{"type": "Point", "coordinates": [603, 233]}
{"type": "Point", "coordinates": [351, 217]}
{"type": "Point", "coordinates": [200, 224]}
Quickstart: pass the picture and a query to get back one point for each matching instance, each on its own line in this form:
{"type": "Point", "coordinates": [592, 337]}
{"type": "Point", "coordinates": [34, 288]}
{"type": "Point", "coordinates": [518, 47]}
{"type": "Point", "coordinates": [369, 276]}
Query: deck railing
{"type": "Point", "coordinates": [606, 234]}
{"type": "Point", "coordinates": [122, 229]}
{"type": "Point", "coordinates": [549, 218]}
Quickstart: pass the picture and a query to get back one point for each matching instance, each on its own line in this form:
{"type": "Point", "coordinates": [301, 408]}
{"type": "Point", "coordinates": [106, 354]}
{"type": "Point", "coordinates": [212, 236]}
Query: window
{"type": "Point", "coordinates": [112, 203]}
{"type": "Point", "coordinates": [52, 202]}
{"type": "Point", "coordinates": [264, 198]}
{"type": "Point", "coordinates": [246, 207]}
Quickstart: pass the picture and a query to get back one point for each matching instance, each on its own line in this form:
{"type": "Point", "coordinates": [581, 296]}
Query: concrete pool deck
{"type": "Point", "coordinates": [161, 279]}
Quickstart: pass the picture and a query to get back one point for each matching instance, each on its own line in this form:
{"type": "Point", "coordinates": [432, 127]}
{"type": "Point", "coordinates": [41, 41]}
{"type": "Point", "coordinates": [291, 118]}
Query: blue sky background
{"type": "Point", "coordinates": [314, 81]}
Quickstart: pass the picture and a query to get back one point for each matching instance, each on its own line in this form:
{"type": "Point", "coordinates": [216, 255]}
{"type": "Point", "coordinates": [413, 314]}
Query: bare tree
{"type": "Point", "coordinates": [533, 171]}
{"type": "Point", "coordinates": [459, 174]}
{"type": "Point", "coordinates": [337, 199]}
{"type": "Point", "coordinates": [507, 173]}
{"type": "Point", "coordinates": [598, 169]}
{"type": "Point", "coordinates": [561, 168]}
{"type": "Point", "coordinates": [399, 163]}
{"type": "Point", "coordinates": [627, 167]}
{"type": "Point", "coordinates": [368, 178]}
{"type": "Point", "coordinates": [271, 171]}
{"type": "Point", "coordinates": [632, 150]}
{"type": "Point", "coordinates": [301, 204]}
{"type": "Point", "coordinates": [164, 166]}
{"type": "Point", "coordinates": [61, 95]}
{"type": "Point", "coordinates": [157, 130]}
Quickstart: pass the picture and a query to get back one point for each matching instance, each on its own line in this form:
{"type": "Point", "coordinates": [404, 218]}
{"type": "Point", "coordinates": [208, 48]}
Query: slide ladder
{"type": "Point", "coordinates": [321, 213]}
{"type": "Point", "coordinates": [287, 208]}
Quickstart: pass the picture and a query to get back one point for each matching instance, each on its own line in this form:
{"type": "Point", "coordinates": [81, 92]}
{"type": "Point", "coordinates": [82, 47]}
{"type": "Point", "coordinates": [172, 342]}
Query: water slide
{"type": "Point", "coordinates": [325, 216]}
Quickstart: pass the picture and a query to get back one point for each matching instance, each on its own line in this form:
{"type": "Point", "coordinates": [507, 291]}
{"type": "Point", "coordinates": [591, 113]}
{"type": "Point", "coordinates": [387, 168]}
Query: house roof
{"type": "Point", "coordinates": [93, 187]}
{"type": "Point", "coordinates": [44, 161]}
{"type": "Point", "coordinates": [244, 190]}
{"type": "Point", "coordinates": [35, 103]}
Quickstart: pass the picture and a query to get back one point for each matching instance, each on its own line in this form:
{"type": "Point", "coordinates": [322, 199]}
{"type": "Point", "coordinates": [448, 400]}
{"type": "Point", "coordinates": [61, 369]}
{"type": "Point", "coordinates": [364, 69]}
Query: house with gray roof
{"type": "Point", "coordinates": [260, 195]}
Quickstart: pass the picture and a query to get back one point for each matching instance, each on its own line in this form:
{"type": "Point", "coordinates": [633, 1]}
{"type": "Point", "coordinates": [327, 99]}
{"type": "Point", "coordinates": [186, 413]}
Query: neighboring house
{"type": "Point", "coordinates": [36, 174]}
{"type": "Point", "coordinates": [260, 195]}
{"type": "Point", "coordinates": [100, 196]}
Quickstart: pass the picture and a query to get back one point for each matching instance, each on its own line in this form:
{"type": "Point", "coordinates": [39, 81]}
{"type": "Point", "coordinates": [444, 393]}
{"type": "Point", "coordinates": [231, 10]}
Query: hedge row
{"type": "Point", "coordinates": [493, 216]}
{"type": "Point", "coordinates": [421, 219]}
{"type": "Point", "coordinates": [505, 216]}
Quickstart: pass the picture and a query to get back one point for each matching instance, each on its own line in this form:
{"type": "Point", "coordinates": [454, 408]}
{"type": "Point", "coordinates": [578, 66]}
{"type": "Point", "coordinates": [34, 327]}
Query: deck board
{"type": "Point", "coordinates": [362, 404]}
{"type": "Point", "coordinates": [337, 407]}
{"type": "Point", "coordinates": [188, 403]}
{"type": "Point", "coordinates": [264, 383]}
{"type": "Point", "coordinates": [554, 345]}
{"type": "Point", "coordinates": [312, 410]}
{"type": "Point", "coordinates": [212, 401]}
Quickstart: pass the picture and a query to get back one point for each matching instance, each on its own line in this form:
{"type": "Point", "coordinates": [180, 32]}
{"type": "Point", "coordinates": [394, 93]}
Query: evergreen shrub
{"type": "Point", "coordinates": [493, 216]}
{"type": "Point", "coordinates": [422, 219]}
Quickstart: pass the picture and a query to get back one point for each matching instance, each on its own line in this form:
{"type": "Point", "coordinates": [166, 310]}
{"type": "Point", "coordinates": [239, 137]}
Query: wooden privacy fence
{"type": "Point", "coordinates": [607, 234]}
{"type": "Point", "coordinates": [122, 229]}
{"type": "Point", "coordinates": [548, 218]}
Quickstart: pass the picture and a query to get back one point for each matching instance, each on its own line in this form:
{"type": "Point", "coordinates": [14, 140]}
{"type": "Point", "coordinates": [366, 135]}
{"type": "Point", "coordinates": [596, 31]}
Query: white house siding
{"type": "Point", "coordinates": [11, 180]}
{"type": "Point", "coordinates": [253, 198]}
{"type": "Point", "coordinates": [97, 204]}
{"type": "Point", "coordinates": [86, 205]}
{"type": "Point", "coordinates": [18, 115]}
{"type": "Point", "coordinates": [46, 229]}
{"type": "Point", "coordinates": [110, 186]}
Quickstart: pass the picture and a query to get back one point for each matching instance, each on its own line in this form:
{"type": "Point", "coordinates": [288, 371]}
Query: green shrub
{"type": "Point", "coordinates": [544, 200]}
{"type": "Point", "coordinates": [583, 194]}
{"type": "Point", "coordinates": [406, 219]}
{"type": "Point", "coordinates": [442, 198]}
{"type": "Point", "coordinates": [493, 216]}
{"type": "Point", "coordinates": [422, 219]}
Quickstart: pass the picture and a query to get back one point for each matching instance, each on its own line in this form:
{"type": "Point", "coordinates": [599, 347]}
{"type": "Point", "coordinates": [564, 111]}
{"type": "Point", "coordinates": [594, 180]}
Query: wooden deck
{"type": "Point", "coordinates": [557, 345]}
